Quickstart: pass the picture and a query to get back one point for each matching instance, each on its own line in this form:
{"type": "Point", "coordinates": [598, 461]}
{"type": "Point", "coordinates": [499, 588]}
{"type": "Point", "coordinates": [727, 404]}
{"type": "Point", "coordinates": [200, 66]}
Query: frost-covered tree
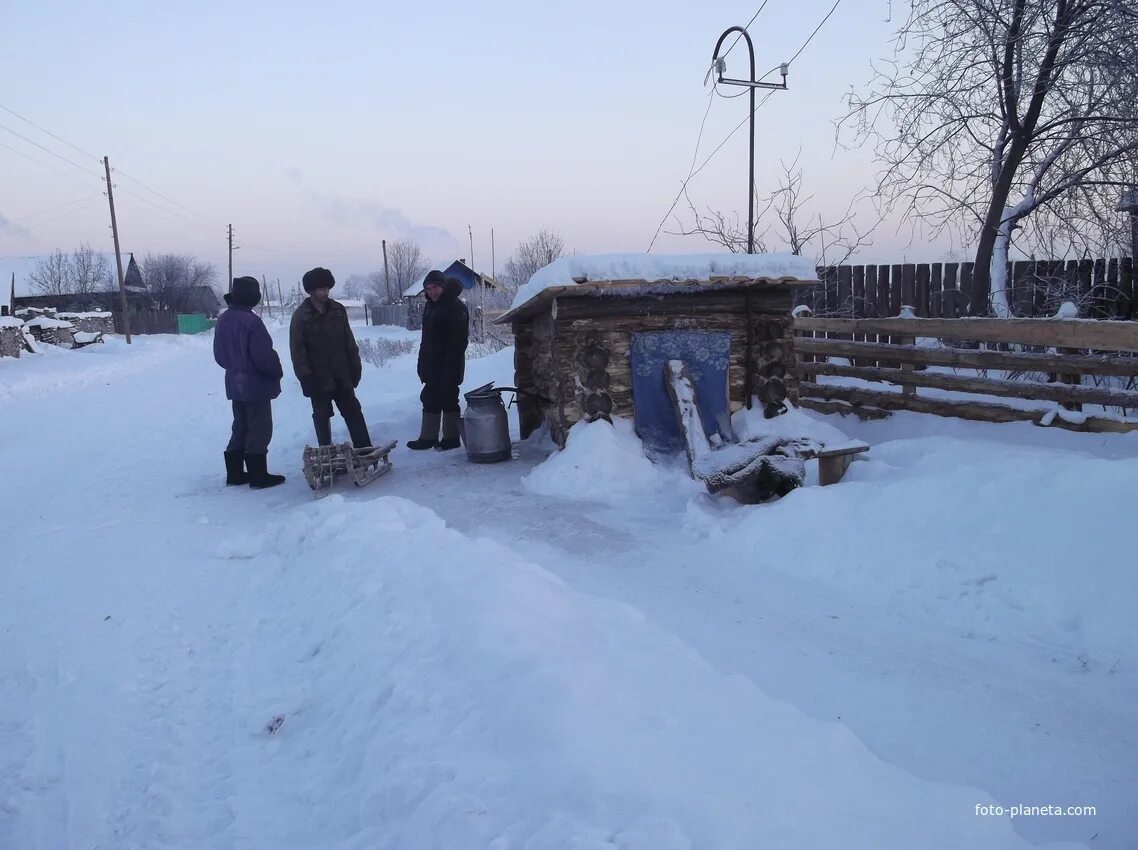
{"type": "Point", "coordinates": [1005, 121]}
{"type": "Point", "coordinates": [532, 254]}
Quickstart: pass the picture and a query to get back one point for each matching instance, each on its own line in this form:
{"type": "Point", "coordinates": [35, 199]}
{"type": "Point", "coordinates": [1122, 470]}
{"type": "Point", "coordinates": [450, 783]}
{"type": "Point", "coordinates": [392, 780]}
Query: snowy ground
{"type": "Point", "coordinates": [585, 653]}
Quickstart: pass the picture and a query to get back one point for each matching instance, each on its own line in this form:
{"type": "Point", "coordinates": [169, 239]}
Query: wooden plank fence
{"type": "Point", "coordinates": [153, 321]}
{"type": "Point", "coordinates": [1069, 362]}
{"type": "Point", "coordinates": [389, 314]}
{"type": "Point", "coordinates": [1103, 288]}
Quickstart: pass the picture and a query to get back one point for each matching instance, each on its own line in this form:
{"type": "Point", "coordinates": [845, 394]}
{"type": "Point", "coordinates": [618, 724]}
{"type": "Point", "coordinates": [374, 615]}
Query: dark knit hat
{"type": "Point", "coordinates": [246, 291]}
{"type": "Point", "coordinates": [318, 278]}
{"type": "Point", "coordinates": [434, 276]}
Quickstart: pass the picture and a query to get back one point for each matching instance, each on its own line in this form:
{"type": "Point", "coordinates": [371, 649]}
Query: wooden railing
{"type": "Point", "coordinates": [1066, 352]}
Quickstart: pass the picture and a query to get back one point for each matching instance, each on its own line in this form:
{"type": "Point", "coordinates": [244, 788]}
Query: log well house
{"type": "Point", "coordinates": [594, 336]}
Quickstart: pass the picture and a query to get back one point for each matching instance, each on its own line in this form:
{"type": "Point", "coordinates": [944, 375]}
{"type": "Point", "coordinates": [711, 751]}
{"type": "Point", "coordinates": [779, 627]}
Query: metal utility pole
{"type": "Point", "coordinates": [719, 66]}
{"type": "Point", "coordinates": [118, 252]}
{"type": "Point", "coordinates": [387, 274]}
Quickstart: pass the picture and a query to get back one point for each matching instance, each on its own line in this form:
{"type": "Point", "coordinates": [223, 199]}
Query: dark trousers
{"type": "Point", "coordinates": [349, 407]}
{"type": "Point", "coordinates": [439, 398]}
{"type": "Point", "coordinates": [252, 427]}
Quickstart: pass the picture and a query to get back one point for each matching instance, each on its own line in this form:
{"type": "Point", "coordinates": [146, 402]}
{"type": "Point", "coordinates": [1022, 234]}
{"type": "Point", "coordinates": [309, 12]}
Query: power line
{"type": "Point", "coordinates": [820, 25]}
{"type": "Point", "coordinates": [26, 228]}
{"type": "Point", "coordinates": [693, 174]}
{"type": "Point", "coordinates": [66, 174]}
{"type": "Point", "coordinates": [166, 198]}
{"type": "Point", "coordinates": [47, 150]}
{"type": "Point", "coordinates": [43, 212]}
{"type": "Point", "coordinates": [45, 130]}
{"type": "Point", "coordinates": [754, 17]}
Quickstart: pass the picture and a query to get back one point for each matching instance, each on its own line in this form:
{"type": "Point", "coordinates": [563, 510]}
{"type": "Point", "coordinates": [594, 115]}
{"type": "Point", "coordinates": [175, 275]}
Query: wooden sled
{"type": "Point", "coordinates": [323, 465]}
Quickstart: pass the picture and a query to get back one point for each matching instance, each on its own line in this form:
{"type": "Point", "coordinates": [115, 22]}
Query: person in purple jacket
{"type": "Point", "coordinates": [243, 348]}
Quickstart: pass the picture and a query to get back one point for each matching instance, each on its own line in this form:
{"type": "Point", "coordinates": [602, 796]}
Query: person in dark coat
{"type": "Point", "coordinates": [243, 348]}
{"type": "Point", "coordinates": [442, 361]}
{"type": "Point", "coordinates": [326, 359]}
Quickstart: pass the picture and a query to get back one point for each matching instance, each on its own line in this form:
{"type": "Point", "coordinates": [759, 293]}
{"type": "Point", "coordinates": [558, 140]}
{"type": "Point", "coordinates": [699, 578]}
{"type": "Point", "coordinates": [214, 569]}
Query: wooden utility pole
{"type": "Point", "coordinates": [386, 274]}
{"type": "Point", "coordinates": [266, 298]}
{"type": "Point", "coordinates": [118, 252]}
{"type": "Point", "coordinates": [12, 297]}
{"type": "Point", "coordinates": [280, 297]}
{"type": "Point", "coordinates": [231, 258]}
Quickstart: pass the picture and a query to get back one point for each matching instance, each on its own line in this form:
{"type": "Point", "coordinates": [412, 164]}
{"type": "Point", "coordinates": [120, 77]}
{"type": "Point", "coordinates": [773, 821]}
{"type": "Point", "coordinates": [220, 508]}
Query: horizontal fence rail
{"type": "Point", "coordinates": [1068, 351]}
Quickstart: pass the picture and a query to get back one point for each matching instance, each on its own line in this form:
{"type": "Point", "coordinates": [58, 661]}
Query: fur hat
{"type": "Point", "coordinates": [246, 291]}
{"type": "Point", "coordinates": [318, 278]}
{"type": "Point", "coordinates": [434, 276]}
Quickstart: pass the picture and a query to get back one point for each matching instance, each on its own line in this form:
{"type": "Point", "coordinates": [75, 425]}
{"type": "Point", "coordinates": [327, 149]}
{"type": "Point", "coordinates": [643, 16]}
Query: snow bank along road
{"type": "Point", "coordinates": [587, 653]}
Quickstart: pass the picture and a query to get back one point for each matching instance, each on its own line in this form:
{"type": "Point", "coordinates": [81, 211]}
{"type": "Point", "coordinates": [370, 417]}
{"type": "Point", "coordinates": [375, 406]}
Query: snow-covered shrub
{"type": "Point", "coordinates": [379, 351]}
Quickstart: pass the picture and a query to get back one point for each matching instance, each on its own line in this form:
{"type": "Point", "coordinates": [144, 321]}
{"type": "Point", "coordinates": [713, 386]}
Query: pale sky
{"type": "Point", "coordinates": [319, 129]}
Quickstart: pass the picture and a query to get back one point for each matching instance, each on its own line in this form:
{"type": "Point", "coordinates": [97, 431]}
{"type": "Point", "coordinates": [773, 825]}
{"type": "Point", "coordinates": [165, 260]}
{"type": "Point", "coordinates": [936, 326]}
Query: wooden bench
{"type": "Point", "coordinates": [834, 460]}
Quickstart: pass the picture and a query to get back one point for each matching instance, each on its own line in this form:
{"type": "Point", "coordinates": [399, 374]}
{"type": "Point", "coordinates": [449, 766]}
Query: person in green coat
{"type": "Point", "coordinates": [326, 359]}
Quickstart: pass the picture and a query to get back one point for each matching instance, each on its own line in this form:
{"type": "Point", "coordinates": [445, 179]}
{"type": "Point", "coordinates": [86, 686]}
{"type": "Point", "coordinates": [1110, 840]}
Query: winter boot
{"type": "Point", "coordinates": [259, 475]}
{"type": "Point", "coordinates": [235, 468]}
{"type": "Point", "coordinates": [450, 438]}
{"type": "Point", "coordinates": [428, 433]}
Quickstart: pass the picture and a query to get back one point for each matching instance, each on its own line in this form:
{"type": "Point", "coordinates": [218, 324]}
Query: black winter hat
{"type": "Point", "coordinates": [434, 276]}
{"type": "Point", "coordinates": [318, 278]}
{"type": "Point", "coordinates": [246, 291]}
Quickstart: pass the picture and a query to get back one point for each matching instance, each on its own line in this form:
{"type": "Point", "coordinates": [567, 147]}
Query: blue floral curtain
{"type": "Point", "coordinates": [707, 355]}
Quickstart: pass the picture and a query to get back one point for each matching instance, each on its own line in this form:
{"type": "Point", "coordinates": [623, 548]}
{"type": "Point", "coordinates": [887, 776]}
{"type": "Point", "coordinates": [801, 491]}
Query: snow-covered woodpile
{"type": "Point", "coordinates": [11, 336]}
{"type": "Point", "coordinates": [577, 321]}
{"type": "Point", "coordinates": [101, 321]}
{"type": "Point", "coordinates": [51, 331]}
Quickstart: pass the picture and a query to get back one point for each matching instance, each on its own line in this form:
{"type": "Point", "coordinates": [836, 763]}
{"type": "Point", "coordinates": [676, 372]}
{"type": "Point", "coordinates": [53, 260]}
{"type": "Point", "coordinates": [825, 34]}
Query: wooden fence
{"type": "Point", "coordinates": [1049, 362]}
{"type": "Point", "coordinates": [154, 321]}
{"type": "Point", "coordinates": [389, 314]}
{"type": "Point", "coordinates": [1103, 288]}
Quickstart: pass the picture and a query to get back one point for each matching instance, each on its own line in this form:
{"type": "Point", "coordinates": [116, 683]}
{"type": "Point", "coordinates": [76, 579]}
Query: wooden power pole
{"type": "Point", "coordinates": [231, 258]}
{"type": "Point", "coordinates": [386, 274]}
{"type": "Point", "coordinates": [118, 252]}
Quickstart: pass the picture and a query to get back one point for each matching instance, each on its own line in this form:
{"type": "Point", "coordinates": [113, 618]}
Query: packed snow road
{"type": "Point", "coordinates": [583, 653]}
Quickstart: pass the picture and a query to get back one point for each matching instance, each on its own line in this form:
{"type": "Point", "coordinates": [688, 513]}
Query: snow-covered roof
{"type": "Point", "coordinates": [10, 322]}
{"type": "Point", "coordinates": [561, 276]}
{"type": "Point", "coordinates": [416, 288]}
{"type": "Point", "coordinates": [93, 314]}
{"type": "Point", "coordinates": [353, 303]}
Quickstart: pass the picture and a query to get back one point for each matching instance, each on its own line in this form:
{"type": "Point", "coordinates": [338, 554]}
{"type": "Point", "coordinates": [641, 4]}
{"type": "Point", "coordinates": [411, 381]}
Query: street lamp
{"type": "Point", "coordinates": [719, 66]}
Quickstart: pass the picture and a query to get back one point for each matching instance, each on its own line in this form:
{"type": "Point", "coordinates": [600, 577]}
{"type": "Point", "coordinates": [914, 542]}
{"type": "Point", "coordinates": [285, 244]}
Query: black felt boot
{"type": "Point", "coordinates": [259, 476]}
{"type": "Point", "coordinates": [428, 433]}
{"type": "Point", "coordinates": [235, 469]}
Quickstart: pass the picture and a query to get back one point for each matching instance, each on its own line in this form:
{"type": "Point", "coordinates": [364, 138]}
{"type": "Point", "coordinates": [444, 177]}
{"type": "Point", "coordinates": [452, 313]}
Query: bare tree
{"type": "Point", "coordinates": [1005, 115]}
{"type": "Point", "coordinates": [172, 278]}
{"type": "Point", "coordinates": [832, 242]}
{"type": "Point", "coordinates": [406, 264]}
{"type": "Point", "coordinates": [357, 286]}
{"type": "Point", "coordinates": [90, 271]}
{"type": "Point", "coordinates": [532, 254]}
{"type": "Point", "coordinates": [83, 271]}
{"type": "Point", "coordinates": [52, 274]}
